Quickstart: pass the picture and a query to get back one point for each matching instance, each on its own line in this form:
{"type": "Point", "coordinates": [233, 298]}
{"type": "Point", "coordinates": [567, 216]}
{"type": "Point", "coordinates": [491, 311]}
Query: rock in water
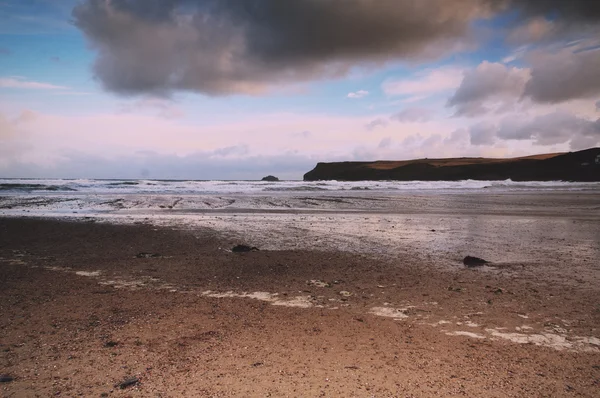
{"type": "Point", "coordinates": [474, 261]}
{"type": "Point", "coordinates": [244, 249]}
{"type": "Point", "coordinates": [270, 178]}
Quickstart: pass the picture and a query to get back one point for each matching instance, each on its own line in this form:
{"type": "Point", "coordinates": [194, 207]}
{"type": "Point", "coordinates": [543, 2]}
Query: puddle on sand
{"type": "Point", "coordinates": [552, 340]}
{"type": "Point", "coordinates": [88, 273]}
{"type": "Point", "coordinates": [388, 312]}
{"type": "Point", "coordinates": [273, 298]}
{"type": "Point", "coordinates": [468, 334]}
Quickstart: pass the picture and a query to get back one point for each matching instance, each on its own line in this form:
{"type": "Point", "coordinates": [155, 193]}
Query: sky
{"type": "Point", "coordinates": [231, 89]}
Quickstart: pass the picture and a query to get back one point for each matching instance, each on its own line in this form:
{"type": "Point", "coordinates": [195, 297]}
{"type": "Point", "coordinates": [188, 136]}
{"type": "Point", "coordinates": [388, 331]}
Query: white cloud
{"type": "Point", "coordinates": [548, 129]}
{"type": "Point", "coordinates": [163, 107]}
{"type": "Point", "coordinates": [426, 82]}
{"type": "Point", "coordinates": [385, 143]}
{"type": "Point", "coordinates": [375, 123]}
{"type": "Point", "coordinates": [413, 115]}
{"type": "Point", "coordinates": [482, 133]}
{"type": "Point", "coordinates": [19, 82]}
{"type": "Point", "coordinates": [358, 94]}
{"type": "Point", "coordinates": [490, 86]}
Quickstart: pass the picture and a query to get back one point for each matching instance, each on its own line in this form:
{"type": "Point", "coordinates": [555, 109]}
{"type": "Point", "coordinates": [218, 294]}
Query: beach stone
{"type": "Point", "coordinates": [470, 261]}
{"type": "Point", "coordinates": [6, 379]}
{"type": "Point", "coordinates": [318, 283]}
{"type": "Point", "coordinates": [244, 249]}
{"type": "Point", "coordinates": [131, 381]}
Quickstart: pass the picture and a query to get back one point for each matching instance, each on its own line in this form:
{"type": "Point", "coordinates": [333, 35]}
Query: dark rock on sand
{"type": "Point", "coordinates": [470, 261]}
{"type": "Point", "coordinates": [6, 378]}
{"type": "Point", "coordinates": [244, 249]}
{"type": "Point", "coordinates": [131, 381]}
{"type": "Point", "coordinates": [270, 178]}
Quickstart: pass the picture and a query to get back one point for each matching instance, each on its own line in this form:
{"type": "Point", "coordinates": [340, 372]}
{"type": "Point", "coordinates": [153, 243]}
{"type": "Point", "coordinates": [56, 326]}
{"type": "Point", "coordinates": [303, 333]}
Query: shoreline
{"type": "Point", "coordinates": [204, 318]}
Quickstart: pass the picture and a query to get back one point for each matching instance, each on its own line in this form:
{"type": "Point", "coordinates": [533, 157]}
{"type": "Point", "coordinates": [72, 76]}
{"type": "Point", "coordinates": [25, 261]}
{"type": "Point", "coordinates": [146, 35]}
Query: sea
{"type": "Point", "coordinates": [506, 222]}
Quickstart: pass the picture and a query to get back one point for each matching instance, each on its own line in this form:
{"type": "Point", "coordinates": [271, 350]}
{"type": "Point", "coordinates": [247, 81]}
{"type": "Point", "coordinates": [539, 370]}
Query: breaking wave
{"type": "Point", "coordinates": [34, 187]}
{"type": "Point", "coordinates": [182, 187]}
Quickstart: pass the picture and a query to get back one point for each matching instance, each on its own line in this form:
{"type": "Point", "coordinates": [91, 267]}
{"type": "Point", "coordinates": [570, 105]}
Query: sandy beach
{"type": "Point", "coordinates": [88, 304]}
{"type": "Point", "coordinates": [305, 198]}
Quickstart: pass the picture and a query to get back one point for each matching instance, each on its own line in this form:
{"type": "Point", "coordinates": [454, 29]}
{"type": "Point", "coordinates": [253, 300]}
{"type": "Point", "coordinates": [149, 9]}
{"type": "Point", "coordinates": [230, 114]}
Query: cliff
{"type": "Point", "coordinates": [573, 166]}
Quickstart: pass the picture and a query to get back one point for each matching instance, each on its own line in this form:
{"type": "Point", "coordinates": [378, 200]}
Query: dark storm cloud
{"type": "Point", "coordinates": [249, 46]}
{"type": "Point", "coordinates": [232, 46]}
{"type": "Point", "coordinates": [563, 76]}
{"type": "Point", "coordinates": [569, 10]}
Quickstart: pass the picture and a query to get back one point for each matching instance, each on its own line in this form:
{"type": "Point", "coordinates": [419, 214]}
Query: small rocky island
{"type": "Point", "coordinates": [270, 178]}
{"type": "Point", "coordinates": [572, 166]}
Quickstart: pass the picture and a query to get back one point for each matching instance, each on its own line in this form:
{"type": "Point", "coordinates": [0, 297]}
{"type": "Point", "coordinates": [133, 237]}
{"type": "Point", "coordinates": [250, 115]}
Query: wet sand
{"type": "Point", "coordinates": [82, 312]}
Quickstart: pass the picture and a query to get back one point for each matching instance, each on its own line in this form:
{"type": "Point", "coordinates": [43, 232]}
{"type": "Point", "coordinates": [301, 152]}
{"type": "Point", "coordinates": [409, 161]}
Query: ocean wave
{"type": "Point", "coordinates": [156, 187]}
{"type": "Point", "coordinates": [34, 187]}
{"type": "Point", "coordinates": [126, 183]}
{"type": "Point", "coordinates": [301, 188]}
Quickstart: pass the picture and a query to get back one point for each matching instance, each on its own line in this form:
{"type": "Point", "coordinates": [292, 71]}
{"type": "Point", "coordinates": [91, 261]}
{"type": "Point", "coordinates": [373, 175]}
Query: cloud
{"type": "Point", "coordinates": [379, 122]}
{"type": "Point", "coordinates": [559, 127]}
{"type": "Point", "coordinates": [162, 107]}
{"type": "Point", "coordinates": [598, 105]}
{"type": "Point", "coordinates": [551, 78]}
{"type": "Point", "coordinates": [6, 128]}
{"type": "Point", "coordinates": [561, 76]}
{"type": "Point", "coordinates": [486, 86]}
{"type": "Point", "coordinates": [358, 94]}
{"type": "Point", "coordinates": [221, 47]}
{"type": "Point", "coordinates": [413, 115]}
{"type": "Point", "coordinates": [458, 137]}
{"type": "Point", "coordinates": [148, 164]}
{"type": "Point", "coordinates": [385, 143]}
{"type": "Point", "coordinates": [301, 134]}
{"type": "Point", "coordinates": [11, 136]}
{"type": "Point", "coordinates": [482, 134]}
{"type": "Point", "coordinates": [533, 30]}
{"type": "Point", "coordinates": [18, 82]}
{"type": "Point", "coordinates": [553, 128]}
{"type": "Point", "coordinates": [9, 127]}
{"type": "Point", "coordinates": [575, 11]}
{"type": "Point", "coordinates": [425, 82]}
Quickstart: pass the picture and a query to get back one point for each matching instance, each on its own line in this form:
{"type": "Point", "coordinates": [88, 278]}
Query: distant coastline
{"type": "Point", "coordinates": [582, 166]}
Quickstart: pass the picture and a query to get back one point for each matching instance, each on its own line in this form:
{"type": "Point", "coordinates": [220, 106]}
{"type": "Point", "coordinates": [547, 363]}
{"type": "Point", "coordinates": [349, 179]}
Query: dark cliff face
{"type": "Point", "coordinates": [573, 166]}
